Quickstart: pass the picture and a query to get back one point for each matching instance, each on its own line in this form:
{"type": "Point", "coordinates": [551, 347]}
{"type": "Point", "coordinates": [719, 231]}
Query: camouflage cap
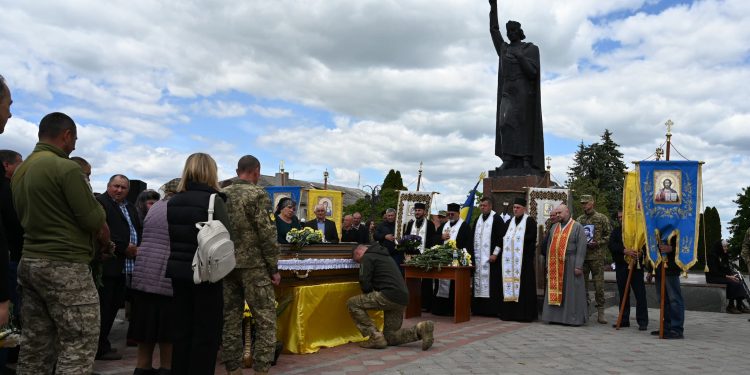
{"type": "Point", "coordinates": [170, 186]}
{"type": "Point", "coordinates": [442, 213]}
{"type": "Point", "coordinates": [586, 198]}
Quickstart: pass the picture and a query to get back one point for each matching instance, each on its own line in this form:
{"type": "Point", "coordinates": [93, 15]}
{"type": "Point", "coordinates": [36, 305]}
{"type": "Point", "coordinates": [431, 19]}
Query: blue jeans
{"type": "Point", "coordinates": [674, 306]}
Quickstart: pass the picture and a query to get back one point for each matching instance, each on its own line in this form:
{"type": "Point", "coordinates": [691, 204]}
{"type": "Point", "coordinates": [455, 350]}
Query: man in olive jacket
{"type": "Point", "coordinates": [256, 273]}
{"type": "Point", "coordinates": [384, 289]}
{"type": "Point", "coordinates": [61, 220]}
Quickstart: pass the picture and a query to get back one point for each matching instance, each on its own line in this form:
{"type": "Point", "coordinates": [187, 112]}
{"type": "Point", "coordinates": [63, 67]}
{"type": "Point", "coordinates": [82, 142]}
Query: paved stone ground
{"type": "Point", "coordinates": [714, 343]}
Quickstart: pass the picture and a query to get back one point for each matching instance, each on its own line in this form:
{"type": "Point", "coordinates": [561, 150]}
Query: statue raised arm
{"type": "Point", "coordinates": [519, 138]}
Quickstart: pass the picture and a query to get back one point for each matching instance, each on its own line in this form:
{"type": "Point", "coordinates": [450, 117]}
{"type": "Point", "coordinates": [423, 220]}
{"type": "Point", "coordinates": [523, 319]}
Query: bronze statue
{"type": "Point", "coordinates": [519, 138]}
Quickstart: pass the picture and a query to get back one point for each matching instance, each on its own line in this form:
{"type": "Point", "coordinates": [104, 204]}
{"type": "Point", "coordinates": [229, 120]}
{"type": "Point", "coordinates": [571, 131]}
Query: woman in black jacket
{"type": "Point", "coordinates": [720, 273]}
{"type": "Point", "coordinates": [199, 307]}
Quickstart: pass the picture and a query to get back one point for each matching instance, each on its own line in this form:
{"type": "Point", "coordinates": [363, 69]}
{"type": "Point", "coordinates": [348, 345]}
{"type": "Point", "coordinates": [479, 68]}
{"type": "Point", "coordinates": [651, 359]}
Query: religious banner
{"type": "Point", "coordinates": [542, 201]}
{"type": "Point", "coordinates": [633, 227]}
{"type": "Point", "coordinates": [671, 194]}
{"type": "Point", "coordinates": [276, 193]}
{"type": "Point", "coordinates": [332, 200]}
{"type": "Point", "coordinates": [405, 208]}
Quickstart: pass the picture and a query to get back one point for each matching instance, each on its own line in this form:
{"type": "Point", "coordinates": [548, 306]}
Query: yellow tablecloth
{"type": "Point", "coordinates": [318, 317]}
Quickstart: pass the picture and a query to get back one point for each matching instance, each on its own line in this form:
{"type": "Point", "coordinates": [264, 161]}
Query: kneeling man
{"type": "Point", "coordinates": [384, 289]}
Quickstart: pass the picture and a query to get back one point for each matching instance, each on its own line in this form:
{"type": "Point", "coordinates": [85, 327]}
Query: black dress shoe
{"type": "Point", "coordinates": [109, 356]}
{"type": "Point", "coordinates": [655, 333]}
{"type": "Point", "coordinates": [642, 328]}
{"type": "Point", "coordinates": [673, 336]}
{"type": "Point", "coordinates": [622, 325]}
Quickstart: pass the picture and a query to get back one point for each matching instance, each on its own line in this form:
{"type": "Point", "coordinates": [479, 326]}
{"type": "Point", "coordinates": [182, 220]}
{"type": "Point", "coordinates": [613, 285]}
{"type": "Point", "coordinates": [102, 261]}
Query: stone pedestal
{"type": "Point", "coordinates": [504, 189]}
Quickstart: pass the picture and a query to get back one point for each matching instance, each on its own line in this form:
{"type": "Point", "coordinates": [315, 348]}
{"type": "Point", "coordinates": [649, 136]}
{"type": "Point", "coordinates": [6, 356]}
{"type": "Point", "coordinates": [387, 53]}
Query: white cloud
{"type": "Point", "coordinates": [370, 85]}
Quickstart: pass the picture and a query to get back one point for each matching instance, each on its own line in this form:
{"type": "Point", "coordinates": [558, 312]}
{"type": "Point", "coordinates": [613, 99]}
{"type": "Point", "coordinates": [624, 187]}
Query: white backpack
{"type": "Point", "coordinates": [214, 258]}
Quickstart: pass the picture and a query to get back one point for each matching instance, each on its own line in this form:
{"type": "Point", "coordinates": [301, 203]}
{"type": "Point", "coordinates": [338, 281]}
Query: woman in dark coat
{"type": "Point", "coordinates": [719, 272]}
{"type": "Point", "coordinates": [285, 219]}
{"type": "Point", "coordinates": [199, 307]}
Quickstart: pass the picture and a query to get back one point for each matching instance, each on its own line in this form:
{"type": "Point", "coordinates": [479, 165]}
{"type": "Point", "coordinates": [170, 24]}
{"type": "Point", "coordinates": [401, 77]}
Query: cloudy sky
{"type": "Point", "coordinates": [359, 87]}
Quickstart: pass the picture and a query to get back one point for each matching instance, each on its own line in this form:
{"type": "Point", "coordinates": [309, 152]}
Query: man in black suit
{"type": "Point", "coordinates": [364, 231]}
{"type": "Point", "coordinates": [125, 229]}
{"type": "Point", "coordinates": [328, 227]}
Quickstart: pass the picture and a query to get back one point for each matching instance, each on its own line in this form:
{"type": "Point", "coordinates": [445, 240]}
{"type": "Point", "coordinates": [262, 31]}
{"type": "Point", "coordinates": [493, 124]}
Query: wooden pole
{"type": "Point", "coordinates": [626, 294]}
{"type": "Point", "coordinates": [661, 307]}
{"type": "Point", "coordinates": [669, 124]}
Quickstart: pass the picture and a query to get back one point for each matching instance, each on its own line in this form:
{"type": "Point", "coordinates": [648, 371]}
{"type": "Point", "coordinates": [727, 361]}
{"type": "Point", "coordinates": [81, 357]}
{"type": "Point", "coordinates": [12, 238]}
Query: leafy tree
{"type": "Point", "coordinates": [740, 223]}
{"type": "Point", "coordinates": [387, 198]}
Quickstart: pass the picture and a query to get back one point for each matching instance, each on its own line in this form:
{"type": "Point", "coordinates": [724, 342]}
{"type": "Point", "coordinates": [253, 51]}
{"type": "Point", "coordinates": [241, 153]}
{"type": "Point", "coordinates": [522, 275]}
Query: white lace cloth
{"type": "Point", "coordinates": [316, 264]}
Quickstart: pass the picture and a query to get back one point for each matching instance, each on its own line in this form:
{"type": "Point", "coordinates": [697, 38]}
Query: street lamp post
{"type": "Point", "coordinates": [373, 197]}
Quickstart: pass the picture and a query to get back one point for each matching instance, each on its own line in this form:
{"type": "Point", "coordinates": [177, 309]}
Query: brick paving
{"type": "Point", "coordinates": [714, 343]}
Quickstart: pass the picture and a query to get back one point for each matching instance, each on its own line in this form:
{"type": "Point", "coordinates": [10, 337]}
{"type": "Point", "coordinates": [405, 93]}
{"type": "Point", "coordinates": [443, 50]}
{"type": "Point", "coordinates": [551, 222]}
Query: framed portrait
{"type": "Point", "coordinates": [667, 186]}
{"type": "Point", "coordinates": [588, 229]}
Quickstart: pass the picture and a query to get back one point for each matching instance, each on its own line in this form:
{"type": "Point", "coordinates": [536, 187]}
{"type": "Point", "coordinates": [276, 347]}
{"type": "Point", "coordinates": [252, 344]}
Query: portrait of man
{"type": "Point", "coordinates": [669, 186]}
{"type": "Point", "coordinates": [588, 230]}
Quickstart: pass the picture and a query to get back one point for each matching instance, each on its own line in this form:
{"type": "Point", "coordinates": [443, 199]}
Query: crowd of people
{"type": "Point", "coordinates": [78, 257]}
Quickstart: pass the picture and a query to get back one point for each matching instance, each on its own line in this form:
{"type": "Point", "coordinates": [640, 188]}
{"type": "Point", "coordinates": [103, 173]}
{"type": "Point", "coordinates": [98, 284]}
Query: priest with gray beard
{"type": "Point", "coordinates": [565, 295]}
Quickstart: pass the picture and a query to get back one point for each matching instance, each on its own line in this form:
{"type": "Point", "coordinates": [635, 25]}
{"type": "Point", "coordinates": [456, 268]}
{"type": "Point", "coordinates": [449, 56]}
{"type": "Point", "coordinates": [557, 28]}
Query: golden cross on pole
{"type": "Point", "coordinates": [669, 124]}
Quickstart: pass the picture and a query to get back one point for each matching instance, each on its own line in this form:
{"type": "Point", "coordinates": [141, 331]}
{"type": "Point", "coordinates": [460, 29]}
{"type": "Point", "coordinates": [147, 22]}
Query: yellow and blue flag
{"type": "Point", "coordinates": [468, 207]}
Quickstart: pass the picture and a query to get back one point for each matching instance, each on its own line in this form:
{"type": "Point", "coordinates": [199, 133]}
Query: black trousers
{"type": "Point", "coordinates": [639, 290]}
{"type": "Point", "coordinates": [111, 298]}
{"type": "Point", "coordinates": [197, 327]}
{"type": "Point", "coordinates": [735, 290]}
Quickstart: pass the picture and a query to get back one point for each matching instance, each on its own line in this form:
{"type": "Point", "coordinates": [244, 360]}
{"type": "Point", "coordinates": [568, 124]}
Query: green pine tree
{"type": "Point", "coordinates": [598, 170]}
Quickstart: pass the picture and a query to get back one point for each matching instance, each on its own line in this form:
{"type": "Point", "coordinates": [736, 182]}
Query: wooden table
{"type": "Point", "coordinates": [461, 275]}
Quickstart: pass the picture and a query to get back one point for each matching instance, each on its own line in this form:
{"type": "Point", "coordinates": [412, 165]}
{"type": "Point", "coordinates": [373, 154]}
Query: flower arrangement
{"type": "Point", "coordinates": [409, 244]}
{"type": "Point", "coordinates": [298, 238]}
{"type": "Point", "coordinates": [440, 256]}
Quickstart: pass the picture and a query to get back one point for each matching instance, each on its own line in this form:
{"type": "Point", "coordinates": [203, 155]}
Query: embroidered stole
{"type": "Point", "coordinates": [482, 252]}
{"type": "Point", "coordinates": [556, 263]}
{"type": "Point", "coordinates": [420, 231]}
{"type": "Point", "coordinates": [513, 258]}
{"type": "Point", "coordinates": [444, 286]}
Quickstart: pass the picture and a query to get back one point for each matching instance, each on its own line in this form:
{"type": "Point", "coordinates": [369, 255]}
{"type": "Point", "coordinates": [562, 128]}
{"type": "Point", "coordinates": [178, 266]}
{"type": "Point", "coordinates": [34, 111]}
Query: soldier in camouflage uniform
{"type": "Point", "coordinates": [61, 220]}
{"type": "Point", "coordinates": [384, 289]}
{"type": "Point", "coordinates": [256, 273]}
{"type": "Point", "coordinates": [595, 248]}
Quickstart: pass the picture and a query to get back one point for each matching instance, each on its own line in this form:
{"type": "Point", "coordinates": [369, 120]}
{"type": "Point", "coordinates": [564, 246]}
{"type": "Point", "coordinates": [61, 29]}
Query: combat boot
{"type": "Point", "coordinates": [425, 332]}
{"type": "Point", "coordinates": [601, 319]}
{"type": "Point", "coordinates": [376, 341]}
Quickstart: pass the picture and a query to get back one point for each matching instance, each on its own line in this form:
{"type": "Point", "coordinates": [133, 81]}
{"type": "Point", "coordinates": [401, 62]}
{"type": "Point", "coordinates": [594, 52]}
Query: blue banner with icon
{"type": "Point", "coordinates": [671, 195]}
{"type": "Point", "coordinates": [276, 193]}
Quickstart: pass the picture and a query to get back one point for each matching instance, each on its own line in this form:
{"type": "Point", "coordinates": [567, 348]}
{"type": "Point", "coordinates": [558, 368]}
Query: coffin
{"type": "Point", "coordinates": [318, 263]}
